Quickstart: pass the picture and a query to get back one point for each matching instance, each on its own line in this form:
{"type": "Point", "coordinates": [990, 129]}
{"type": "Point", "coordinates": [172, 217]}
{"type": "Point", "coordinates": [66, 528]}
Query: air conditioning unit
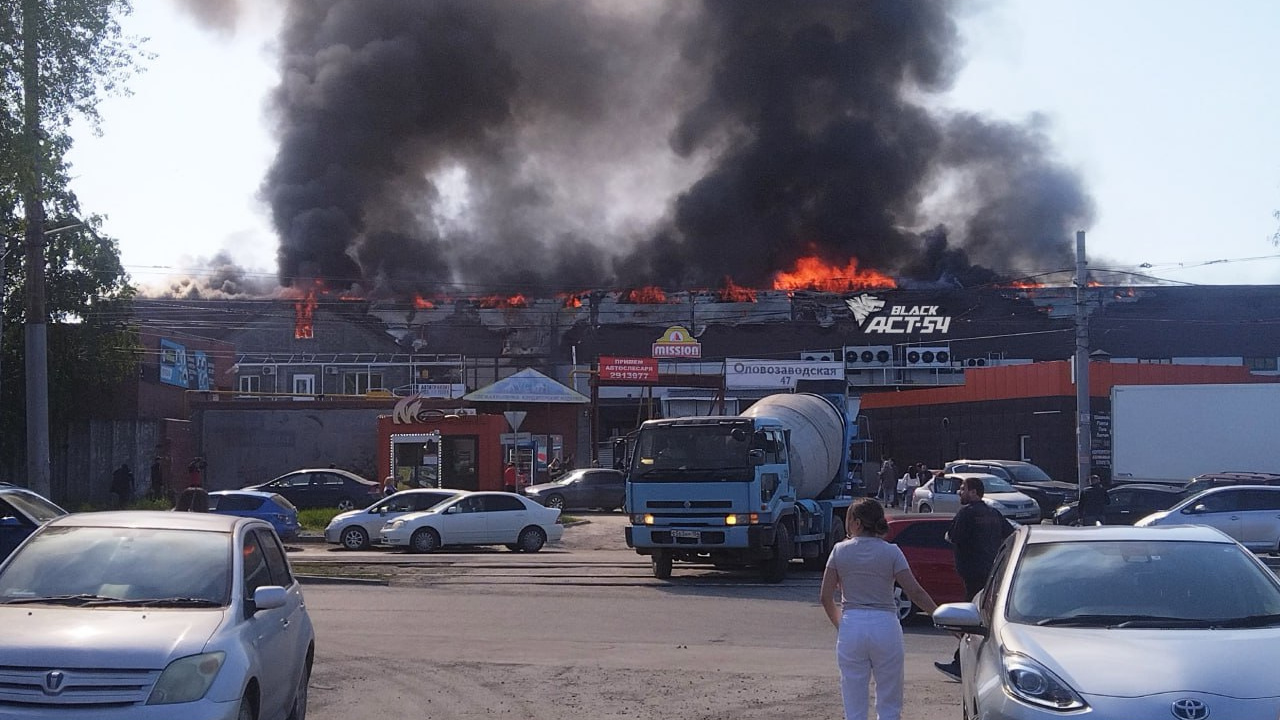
{"type": "Point", "coordinates": [331, 370]}
{"type": "Point", "coordinates": [868, 356]}
{"type": "Point", "coordinates": [823, 355]}
{"type": "Point", "coordinates": [976, 362]}
{"type": "Point", "coordinates": [268, 370]}
{"type": "Point", "coordinates": [929, 357]}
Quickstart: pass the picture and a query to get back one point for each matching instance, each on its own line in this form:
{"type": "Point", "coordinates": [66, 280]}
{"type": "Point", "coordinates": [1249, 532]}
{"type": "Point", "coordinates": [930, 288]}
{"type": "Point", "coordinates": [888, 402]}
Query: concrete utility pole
{"type": "Point", "coordinates": [1084, 450]}
{"type": "Point", "coordinates": [36, 329]}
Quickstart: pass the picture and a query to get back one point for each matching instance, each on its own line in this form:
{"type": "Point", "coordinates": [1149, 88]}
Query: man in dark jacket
{"type": "Point", "coordinates": [977, 532]}
{"type": "Point", "coordinates": [1093, 503]}
{"type": "Point", "coordinates": [122, 485]}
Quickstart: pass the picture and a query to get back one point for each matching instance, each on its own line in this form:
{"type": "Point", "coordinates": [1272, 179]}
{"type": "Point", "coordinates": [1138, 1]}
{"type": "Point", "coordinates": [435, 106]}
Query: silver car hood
{"type": "Point", "coordinates": [1136, 662]}
{"type": "Point", "coordinates": [125, 638]}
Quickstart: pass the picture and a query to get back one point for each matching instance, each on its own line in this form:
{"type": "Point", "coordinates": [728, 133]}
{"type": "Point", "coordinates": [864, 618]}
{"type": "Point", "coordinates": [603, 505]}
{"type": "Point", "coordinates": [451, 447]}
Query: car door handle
{"type": "Point", "coordinates": [284, 622]}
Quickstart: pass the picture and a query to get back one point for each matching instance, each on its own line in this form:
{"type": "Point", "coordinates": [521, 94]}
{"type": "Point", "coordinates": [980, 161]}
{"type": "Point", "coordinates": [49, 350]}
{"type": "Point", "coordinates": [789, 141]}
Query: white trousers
{"type": "Point", "coordinates": [870, 646]}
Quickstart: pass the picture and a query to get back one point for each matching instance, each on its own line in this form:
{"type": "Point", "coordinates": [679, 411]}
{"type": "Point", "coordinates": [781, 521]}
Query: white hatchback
{"type": "Point", "coordinates": [942, 494]}
{"type": "Point", "coordinates": [146, 614]}
{"type": "Point", "coordinates": [477, 518]}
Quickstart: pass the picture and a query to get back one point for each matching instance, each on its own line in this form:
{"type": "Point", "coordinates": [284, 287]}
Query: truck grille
{"type": "Point", "coordinates": [681, 504]}
{"type": "Point", "coordinates": [58, 687]}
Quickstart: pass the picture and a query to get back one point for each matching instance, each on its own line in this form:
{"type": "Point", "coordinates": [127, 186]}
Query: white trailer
{"type": "Point", "coordinates": [1171, 433]}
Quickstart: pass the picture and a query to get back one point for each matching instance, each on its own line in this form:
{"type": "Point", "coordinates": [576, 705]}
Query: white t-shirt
{"type": "Point", "coordinates": [866, 566]}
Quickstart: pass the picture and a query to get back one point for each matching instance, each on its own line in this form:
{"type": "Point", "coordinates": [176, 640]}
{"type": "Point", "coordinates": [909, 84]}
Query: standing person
{"type": "Point", "coordinates": [911, 481]}
{"type": "Point", "coordinates": [195, 472]}
{"type": "Point", "coordinates": [389, 486]}
{"type": "Point", "coordinates": [510, 478]}
{"type": "Point", "coordinates": [122, 485]}
{"type": "Point", "coordinates": [157, 479]}
{"type": "Point", "coordinates": [976, 532]}
{"type": "Point", "coordinates": [1092, 507]}
{"type": "Point", "coordinates": [889, 481]}
{"type": "Point", "coordinates": [869, 645]}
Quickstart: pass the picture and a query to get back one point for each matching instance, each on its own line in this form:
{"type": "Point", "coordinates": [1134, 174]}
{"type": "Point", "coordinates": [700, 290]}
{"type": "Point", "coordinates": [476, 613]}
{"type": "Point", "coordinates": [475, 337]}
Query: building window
{"type": "Point", "coordinates": [1024, 448]}
{"type": "Point", "coordinates": [1263, 364]}
{"type": "Point", "coordinates": [360, 383]}
{"type": "Point", "coordinates": [1155, 361]}
{"type": "Point", "coordinates": [250, 383]}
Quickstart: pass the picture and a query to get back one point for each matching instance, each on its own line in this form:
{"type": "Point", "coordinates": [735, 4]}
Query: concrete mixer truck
{"type": "Point", "coordinates": [752, 490]}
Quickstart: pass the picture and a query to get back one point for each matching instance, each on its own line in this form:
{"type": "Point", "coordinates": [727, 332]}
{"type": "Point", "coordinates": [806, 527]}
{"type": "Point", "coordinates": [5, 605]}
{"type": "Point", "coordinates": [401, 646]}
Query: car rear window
{"type": "Point", "coordinates": [283, 502]}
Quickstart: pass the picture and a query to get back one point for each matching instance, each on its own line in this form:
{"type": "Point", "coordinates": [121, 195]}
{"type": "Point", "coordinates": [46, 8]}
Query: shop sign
{"type": "Point", "coordinates": [677, 342]}
{"type": "Point", "coordinates": [628, 368]}
{"type": "Point", "coordinates": [778, 374]}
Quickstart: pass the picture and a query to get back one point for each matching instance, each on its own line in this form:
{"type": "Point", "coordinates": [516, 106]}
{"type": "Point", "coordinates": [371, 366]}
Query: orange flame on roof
{"type": "Point", "coordinates": [733, 292]}
{"type": "Point", "coordinates": [812, 273]}
{"type": "Point", "coordinates": [497, 302]}
{"type": "Point", "coordinates": [303, 309]}
{"type": "Point", "coordinates": [1023, 285]}
{"type": "Point", "coordinates": [570, 300]}
{"type": "Point", "coordinates": [421, 303]}
{"type": "Point", "coordinates": [650, 295]}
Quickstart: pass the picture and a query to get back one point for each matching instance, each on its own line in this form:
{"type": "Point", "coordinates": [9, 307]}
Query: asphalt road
{"type": "Point", "coordinates": [579, 630]}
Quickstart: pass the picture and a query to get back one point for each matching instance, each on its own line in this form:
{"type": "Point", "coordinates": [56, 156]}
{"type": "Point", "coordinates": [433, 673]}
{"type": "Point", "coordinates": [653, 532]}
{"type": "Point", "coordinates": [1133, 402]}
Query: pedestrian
{"type": "Point", "coordinates": [1092, 507]}
{"type": "Point", "coordinates": [510, 478]}
{"type": "Point", "coordinates": [888, 481]}
{"type": "Point", "coordinates": [389, 486]}
{"type": "Point", "coordinates": [553, 468]}
{"type": "Point", "coordinates": [910, 481]}
{"type": "Point", "coordinates": [976, 533]}
{"type": "Point", "coordinates": [195, 472]}
{"type": "Point", "coordinates": [193, 499]}
{"type": "Point", "coordinates": [157, 479]}
{"type": "Point", "coordinates": [122, 485]}
{"type": "Point", "coordinates": [864, 569]}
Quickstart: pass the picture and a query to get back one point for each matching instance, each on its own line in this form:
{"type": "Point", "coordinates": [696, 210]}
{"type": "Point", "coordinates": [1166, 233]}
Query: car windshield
{"type": "Point", "coordinates": [1028, 473]}
{"type": "Point", "coordinates": [33, 505]}
{"type": "Point", "coordinates": [120, 563]}
{"type": "Point", "coordinates": [1146, 583]}
{"type": "Point", "coordinates": [994, 484]}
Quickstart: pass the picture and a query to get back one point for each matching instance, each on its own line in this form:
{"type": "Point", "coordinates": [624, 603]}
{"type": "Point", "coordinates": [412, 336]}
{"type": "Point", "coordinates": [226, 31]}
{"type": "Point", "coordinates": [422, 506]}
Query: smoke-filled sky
{"type": "Point", "coordinates": [410, 145]}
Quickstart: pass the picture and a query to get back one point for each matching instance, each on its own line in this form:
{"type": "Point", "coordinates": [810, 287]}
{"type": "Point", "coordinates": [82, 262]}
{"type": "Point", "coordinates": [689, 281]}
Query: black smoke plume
{"type": "Point", "coordinates": [543, 145]}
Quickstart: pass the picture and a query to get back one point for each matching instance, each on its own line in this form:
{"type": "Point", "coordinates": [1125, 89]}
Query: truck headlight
{"type": "Point", "coordinates": [743, 519]}
{"type": "Point", "coordinates": [645, 519]}
{"type": "Point", "coordinates": [186, 679]}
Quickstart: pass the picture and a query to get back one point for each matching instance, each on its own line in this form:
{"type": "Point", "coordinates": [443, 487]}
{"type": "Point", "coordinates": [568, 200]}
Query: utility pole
{"type": "Point", "coordinates": [1084, 449]}
{"type": "Point", "coordinates": [36, 327]}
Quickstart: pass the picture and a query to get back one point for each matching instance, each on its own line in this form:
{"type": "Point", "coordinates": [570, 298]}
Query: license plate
{"type": "Point", "coordinates": [692, 534]}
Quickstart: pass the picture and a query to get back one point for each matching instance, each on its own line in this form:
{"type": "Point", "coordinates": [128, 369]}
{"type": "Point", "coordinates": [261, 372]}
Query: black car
{"type": "Point", "coordinates": [1026, 478]}
{"type": "Point", "coordinates": [21, 512]}
{"type": "Point", "coordinates": [588, 488]}
{"type": "Point", "coordinates": [1127, 504]}
{"type": "Point", "coordinates": [323, 488]}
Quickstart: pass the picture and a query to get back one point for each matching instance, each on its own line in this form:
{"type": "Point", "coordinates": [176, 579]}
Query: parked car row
{"type": "Point", "coordinates": [427, 520]}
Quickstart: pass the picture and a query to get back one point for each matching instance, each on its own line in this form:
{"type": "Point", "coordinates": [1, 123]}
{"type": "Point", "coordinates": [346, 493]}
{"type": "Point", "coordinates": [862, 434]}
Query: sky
{"type": "Point", "coordinates": [1168, 109]}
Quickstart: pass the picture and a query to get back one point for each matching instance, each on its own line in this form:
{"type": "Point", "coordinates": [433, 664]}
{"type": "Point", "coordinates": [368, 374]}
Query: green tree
{"type": "Point", "coordinates": [57, 59]}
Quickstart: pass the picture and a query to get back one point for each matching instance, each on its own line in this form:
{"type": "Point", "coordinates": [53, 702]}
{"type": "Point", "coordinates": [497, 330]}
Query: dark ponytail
{"type": "Point", "coordinates": [870, 513]}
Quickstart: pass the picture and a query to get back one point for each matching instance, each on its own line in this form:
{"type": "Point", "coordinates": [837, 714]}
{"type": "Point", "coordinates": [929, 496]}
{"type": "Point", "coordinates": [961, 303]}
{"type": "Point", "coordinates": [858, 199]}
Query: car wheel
{"type": "Point", "coordinates": [906, 609]}
{"type": "Point", "coordinates": [299, 710]}
{"type": "Point", "coordinates": [532, 539]}
{"type": "Point", "coordinates": [775, 568]}
{"type": "Point", "coordinates": [926, 508]}
{"type": "Point", "coordinates": [247, 709]}
{"type": "Point", "coordinates": [661, 561]}
{"type": "Point", "coordinates": [346, 504]}
{"type": "Point", "coordinates": [425, 540]}
{"type": "Point", "coordinates": [354, 538]}
{"type": "Point", "coordinates": [555, 501]}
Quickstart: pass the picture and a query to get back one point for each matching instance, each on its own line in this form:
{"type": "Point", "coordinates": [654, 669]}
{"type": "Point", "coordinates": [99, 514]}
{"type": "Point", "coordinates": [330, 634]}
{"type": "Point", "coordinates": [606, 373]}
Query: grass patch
{"type": "Point", "coordinates": [316, 519]}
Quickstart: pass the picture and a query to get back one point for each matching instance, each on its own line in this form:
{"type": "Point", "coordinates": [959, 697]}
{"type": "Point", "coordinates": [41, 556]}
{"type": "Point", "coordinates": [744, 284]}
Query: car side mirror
{"type": "Point", "coordinates": [267, 597]}
{"type": "Point", "coordinates": [10, 521]}
{"type": "Point", "coordinates": [959, 617]}
{"type": "Point", "coordinates": [451, 510]}
{"type": "Point", "coordinates": [1196, 509]}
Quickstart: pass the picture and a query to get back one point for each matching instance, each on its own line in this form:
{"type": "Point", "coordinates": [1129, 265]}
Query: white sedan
{"type": "Point", "coordinates": [355, 528]}
{"type": "Point", "coordinates": [942, 494]}
{"type": "Point", "coordinates": [478, 518]}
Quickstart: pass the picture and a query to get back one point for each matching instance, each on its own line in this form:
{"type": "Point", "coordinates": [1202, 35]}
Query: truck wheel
{"type": "Point", "coordinates": [775, 568]}
{"type": "Point", "coordinates": [819, 562]}
{"type": "Point", "coordinates": [661, 560]}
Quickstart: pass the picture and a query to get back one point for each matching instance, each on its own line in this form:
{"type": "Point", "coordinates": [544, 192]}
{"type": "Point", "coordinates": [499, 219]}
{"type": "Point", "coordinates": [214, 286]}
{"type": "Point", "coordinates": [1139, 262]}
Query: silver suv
{"type": "Point", "coordinates": [146, 614]}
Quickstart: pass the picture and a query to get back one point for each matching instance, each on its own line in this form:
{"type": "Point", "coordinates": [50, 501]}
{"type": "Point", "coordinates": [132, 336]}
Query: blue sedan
{"type": "Point", "coordinates": [272, 507]}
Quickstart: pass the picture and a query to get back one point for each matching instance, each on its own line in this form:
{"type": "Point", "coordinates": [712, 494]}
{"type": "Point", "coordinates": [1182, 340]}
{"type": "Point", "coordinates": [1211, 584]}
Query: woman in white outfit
{"type": "Point", "coordinates": [863, 569]}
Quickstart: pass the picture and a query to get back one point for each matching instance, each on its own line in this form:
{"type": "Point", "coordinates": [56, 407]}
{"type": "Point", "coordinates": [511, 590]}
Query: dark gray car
{"type": "Point", "coordinates": [589, 488]}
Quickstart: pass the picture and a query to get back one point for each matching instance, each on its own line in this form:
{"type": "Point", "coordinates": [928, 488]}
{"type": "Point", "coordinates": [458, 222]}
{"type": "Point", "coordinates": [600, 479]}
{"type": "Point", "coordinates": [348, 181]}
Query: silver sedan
{"type": "Point", "coordinates": [1120, 622]}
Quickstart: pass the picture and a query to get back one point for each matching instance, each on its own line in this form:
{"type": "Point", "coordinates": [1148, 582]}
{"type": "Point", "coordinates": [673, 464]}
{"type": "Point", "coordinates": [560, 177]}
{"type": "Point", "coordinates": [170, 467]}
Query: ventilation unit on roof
{"type": "Point", "coordinates": [331, 370]}
{"type": "Point", "coordinates": [868, 356]}
{"type": "Point", "coordinates": [268, 370]}
{"type": "Point", "coordinates": [928, 357]}
{"type": "Point", "coordinates": [822, 355]}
